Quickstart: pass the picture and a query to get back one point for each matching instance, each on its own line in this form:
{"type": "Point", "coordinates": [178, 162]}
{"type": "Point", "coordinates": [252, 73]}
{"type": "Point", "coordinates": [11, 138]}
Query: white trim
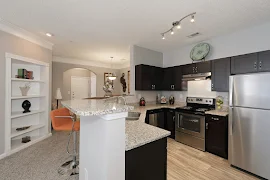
{"type": "Point", "coordinates": [8, 106]}
{"type": "Point", "coordinates": [2, 156]}
{"type": "Point", "coordinates": [89, 63]}
{"type": "Point", "coordinates": [22, 33]}
{"type": "Point", "coordinates": [25, 59]}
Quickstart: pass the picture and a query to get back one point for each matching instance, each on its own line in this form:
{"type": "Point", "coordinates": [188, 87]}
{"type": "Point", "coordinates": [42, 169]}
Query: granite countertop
{"type": "Point", "coordinates": [138, 133]}
{"type": "Point", "coordinates": [95, 107]}
{"type": "Point", "coordinates": [217, 113]}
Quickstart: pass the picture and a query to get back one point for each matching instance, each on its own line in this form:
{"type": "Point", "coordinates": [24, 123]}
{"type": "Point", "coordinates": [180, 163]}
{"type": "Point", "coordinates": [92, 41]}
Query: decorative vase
{"type": "Point", "coordinates": [108, 94]}
{"type": "Point", "coordinates": [24, 90]}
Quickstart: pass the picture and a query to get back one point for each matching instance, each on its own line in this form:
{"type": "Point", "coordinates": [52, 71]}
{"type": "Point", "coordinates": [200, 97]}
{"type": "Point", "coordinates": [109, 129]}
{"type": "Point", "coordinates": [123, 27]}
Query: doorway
{"type": "Point", "coordinates": [80, 87]}
{"type": "Point", "coordinates": [79, 83]}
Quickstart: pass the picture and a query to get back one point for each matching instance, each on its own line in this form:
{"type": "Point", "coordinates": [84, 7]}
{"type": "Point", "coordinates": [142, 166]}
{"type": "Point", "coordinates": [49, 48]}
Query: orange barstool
{"type": "Point", "coordinates": [63, 121]}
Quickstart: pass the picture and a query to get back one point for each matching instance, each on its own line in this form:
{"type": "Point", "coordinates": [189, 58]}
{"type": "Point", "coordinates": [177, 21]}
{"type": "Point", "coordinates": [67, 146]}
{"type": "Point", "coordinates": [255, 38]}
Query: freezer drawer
{"type": "Point", "coordinates": [249, 142]}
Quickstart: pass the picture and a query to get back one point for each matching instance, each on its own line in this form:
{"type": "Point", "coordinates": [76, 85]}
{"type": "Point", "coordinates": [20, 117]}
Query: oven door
{"type": "Point", "coordinates": [191, 124]}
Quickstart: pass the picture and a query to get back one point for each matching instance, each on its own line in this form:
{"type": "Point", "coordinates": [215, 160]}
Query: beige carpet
{"type": "Point", "coordinates": [38, 162]}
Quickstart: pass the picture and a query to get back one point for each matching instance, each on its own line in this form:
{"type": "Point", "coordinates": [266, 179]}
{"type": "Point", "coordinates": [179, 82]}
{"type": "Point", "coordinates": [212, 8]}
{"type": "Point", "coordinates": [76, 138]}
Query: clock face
{"type": "Point", "coordinates": [200, 51]}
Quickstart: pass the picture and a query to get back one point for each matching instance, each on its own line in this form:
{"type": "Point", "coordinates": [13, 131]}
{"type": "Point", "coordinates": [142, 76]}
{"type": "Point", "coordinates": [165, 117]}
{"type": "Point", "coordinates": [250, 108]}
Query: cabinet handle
{"type": "Point", "coordinates": [212, 86]}
{"type": "Point", "coordinates": [260, 65]}
{"type": "Point", "coordinates": [172, 86]}
{"type": "Point", "coordinates": [173, 118]}
{"type": "Point", "coordinates": [255, 65]}
{"type": "Point", "coordinates": [216, 119]}
{"type": "Point", "coordinates": [206, 125]}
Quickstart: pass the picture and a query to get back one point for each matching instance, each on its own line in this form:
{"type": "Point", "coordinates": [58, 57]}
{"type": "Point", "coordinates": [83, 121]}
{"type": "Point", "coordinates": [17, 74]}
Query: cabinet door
{"type": "Point", "coordinates": [160, 118]}
{"type": "Point", "coordinates": [220, 74]}
{"type": "Point", "coordinates": [178, 78]}
{"type": "Point", "coordinates": [244, 64]}
{"type": "Point", "coordinates": [168, 79]}
{"type": "Point", "coordinates": [170, 122]}
{"type": "Point", "coordinates": [203, 67]}
{"type": "Point", "coordinates": [264, 61]}
{"type": "Point", "coordinates": [188, 69]}
{"type": "Point", "coordinates": [216, 135]}
{"type": "Point", "coordinates": [143, 75]}
{"type": "Point", "coordinates": [157, 78]}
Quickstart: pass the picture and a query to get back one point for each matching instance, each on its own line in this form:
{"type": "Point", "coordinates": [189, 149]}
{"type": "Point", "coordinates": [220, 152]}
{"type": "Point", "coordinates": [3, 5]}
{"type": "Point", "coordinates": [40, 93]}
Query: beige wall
{"type": "Point", "coordinates": [58, 69]}
{"type": "Point", "coordinates": [78, 72]}
{"type": "Point", "coordinates": [15, 45]}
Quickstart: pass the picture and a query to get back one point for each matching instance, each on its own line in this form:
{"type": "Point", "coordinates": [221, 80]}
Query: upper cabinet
{"type": "Point", "coordinates": [247, 63]}
{"type": "Point", "coordinates": [203, 67]}
{"type": "Point", "coordinates": [251, 63]}
{"type": "Point", "coordinates": [148, 77]}
{"type": "Point", "coordinates": [194, 68]}
{"type": "Point", "coordinates": [264, 61]}
{"type": "Point", "coordinates": [172, 78]}
{"type": "Point", "coordinates": [220, 74]}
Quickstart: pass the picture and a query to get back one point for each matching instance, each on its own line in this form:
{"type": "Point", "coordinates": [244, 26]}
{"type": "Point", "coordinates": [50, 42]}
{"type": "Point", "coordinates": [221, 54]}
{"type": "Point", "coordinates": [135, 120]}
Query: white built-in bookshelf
{"type": "Point", "coordinates": [38, 96]}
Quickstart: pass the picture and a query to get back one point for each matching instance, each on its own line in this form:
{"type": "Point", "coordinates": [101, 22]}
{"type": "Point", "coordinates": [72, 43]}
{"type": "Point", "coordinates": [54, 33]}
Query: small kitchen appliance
{"type": "Point", "coordinates": [142, 101]}
{"type": "Point", "coordinates": [163, 100]}
{"type": "Point", "coordinates": [190, 121]}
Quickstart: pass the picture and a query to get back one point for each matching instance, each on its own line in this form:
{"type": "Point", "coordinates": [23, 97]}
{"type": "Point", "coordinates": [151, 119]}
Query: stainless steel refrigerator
{"type": "Point", "coordinates": [249, 123]}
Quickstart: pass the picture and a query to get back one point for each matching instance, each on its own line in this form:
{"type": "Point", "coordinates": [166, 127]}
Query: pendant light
{"type": "Point", "coordinates": [111, 76]}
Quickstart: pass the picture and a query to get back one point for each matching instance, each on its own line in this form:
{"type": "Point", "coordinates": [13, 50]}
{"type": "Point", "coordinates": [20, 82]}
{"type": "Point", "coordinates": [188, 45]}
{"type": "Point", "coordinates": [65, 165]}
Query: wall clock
{"type": "Point", "coordinates": [200, 51]}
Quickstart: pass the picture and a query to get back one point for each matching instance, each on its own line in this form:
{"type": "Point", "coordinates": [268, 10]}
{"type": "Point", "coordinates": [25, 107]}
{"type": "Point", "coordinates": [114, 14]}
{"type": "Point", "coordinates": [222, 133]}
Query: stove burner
{"type": "Point", "coordinates": [186, 107]}
{"type": "Point", "coordinates": [202, 109]}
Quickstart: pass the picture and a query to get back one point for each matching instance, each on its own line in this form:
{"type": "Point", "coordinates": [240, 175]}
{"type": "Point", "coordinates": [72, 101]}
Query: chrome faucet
{"type": "Point", "coordinates": [124, 99]}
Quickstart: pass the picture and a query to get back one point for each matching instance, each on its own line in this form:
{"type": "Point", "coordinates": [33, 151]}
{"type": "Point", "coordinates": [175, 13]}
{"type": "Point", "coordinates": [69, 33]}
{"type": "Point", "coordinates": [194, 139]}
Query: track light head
{"type": "Point", "coordinates": [163, 36]}
{"type": "Point", "coordinates": [192, 19]}
{"type": "Point", "coordinates": [172, 33]}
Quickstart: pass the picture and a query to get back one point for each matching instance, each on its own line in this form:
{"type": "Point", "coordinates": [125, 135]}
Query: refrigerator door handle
{"type": "Point", "coordinates": [231, 91]}
{"type": "Point", "coordinates": [231, 121]}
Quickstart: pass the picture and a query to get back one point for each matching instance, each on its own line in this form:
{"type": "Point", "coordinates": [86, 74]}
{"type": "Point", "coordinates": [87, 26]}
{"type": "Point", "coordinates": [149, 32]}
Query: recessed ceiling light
{"type": "Point", "coordinates": [49, 34]}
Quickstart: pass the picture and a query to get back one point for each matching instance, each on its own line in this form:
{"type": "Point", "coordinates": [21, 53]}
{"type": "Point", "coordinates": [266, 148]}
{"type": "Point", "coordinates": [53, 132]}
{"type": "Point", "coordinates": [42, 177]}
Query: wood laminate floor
{"type": "Point", "coordinates": [187, 163]}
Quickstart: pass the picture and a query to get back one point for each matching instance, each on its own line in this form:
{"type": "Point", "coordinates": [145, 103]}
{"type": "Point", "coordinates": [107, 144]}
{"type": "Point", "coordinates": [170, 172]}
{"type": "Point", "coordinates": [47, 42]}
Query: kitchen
{"type": "Point", "coordinates": [234, 78]}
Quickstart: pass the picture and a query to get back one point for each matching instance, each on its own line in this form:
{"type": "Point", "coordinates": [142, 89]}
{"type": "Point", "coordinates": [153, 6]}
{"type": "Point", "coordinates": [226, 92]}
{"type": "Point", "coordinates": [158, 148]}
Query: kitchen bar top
{"type": "Point", "coordinates": [138, 133]}
{"type": "Point", "coordinates": [217, 113]}
{"type": "Point", "coordinates": [96, 107]}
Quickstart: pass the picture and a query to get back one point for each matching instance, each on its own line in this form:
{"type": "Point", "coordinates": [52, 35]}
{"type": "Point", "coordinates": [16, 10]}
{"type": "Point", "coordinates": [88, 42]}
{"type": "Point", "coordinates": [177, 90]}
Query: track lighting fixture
{"type": "Point", "coordinates": [177, 24]}
{"type": "Point", "coordinates": [192, 19]}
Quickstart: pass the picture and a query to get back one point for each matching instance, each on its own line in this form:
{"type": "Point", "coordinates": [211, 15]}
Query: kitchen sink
{"type": "Point", "coordinates": [133, 116]}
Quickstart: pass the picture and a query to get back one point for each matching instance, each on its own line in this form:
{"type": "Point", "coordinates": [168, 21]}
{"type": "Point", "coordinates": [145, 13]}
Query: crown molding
{"type": "Point", "coordinates": [22, 33]}
{"type": "Point", "coordinates": [89, 63]}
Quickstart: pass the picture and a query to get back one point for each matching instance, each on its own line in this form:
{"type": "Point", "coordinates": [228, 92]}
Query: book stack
{"type": "Point", "coordinates": [24, 74]}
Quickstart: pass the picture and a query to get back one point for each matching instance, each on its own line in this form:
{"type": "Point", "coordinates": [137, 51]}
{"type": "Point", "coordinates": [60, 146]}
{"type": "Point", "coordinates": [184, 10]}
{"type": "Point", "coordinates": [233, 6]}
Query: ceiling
{"type": "Point", "coordinates": [97, 29]}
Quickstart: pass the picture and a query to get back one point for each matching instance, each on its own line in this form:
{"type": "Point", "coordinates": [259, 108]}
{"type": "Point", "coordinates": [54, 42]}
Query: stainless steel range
{"type": "Point", "coordinates": [190, 121]}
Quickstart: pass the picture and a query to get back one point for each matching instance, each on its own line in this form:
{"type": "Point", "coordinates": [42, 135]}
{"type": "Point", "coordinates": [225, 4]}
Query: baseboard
{"type": "Point", "coordinates": [2, 156]}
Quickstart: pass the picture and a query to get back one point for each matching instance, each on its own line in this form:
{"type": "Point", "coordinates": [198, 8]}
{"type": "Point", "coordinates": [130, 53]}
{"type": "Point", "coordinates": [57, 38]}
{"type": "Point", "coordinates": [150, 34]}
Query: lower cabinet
{"type": "Point", "coordinates": [170, 122]}
{"type": "Point", "coordinates": [216, 135]}
{"type": "Point", "coordinates": [147, 162]}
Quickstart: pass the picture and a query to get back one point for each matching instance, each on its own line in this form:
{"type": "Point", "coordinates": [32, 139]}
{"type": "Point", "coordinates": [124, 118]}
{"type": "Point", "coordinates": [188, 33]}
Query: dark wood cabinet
{"type": "Point", "coordinates": [172, 78]}
{"type": "Point", "coordinates": [247, 63]}
{"type": "Point", "coordinates": [148, 77]}
{"type": "Point", "coordinates": [177, 78]}
{"type": "Point", "coordinates": [216, 135]}
{"type": "Point", "coordinates": [264, 61]}
{"type": "Point", "coordinates": [203, 67]}
{"type": "Point", "coordinates": [147, 162]}
{"type": "Point", "coordinates": [188, 69]}
{"type": "Point", "coordinates": [170, 121]}
{"type": "Point", "coordinates": [220, 74]}
{"type": "Point", "coordinates": [168, 79]}
{"type": "Point", "coordinates": [194, 68]}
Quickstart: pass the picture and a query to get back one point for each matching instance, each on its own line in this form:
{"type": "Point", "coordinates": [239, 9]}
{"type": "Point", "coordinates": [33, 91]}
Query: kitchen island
{"type": "Point", "coordinates": [108, 142]}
